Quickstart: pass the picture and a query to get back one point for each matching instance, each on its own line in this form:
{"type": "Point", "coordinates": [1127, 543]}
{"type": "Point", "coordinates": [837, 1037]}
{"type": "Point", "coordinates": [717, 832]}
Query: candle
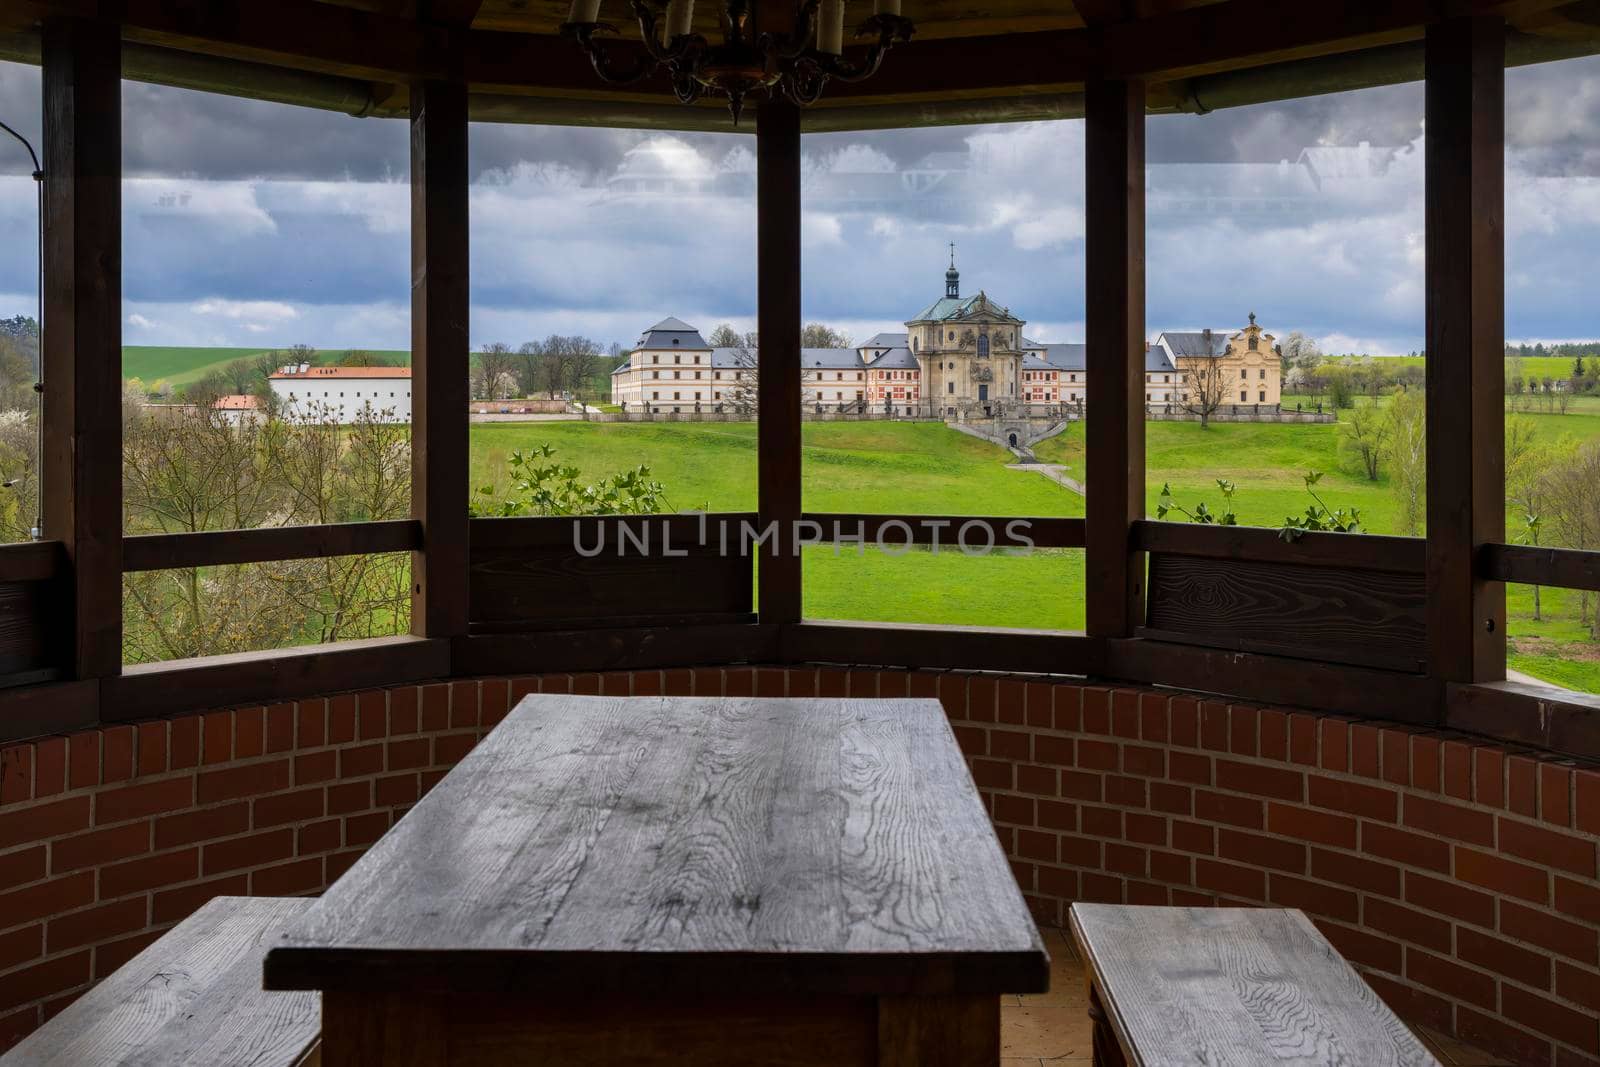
{"type": "Point", "coordinates": [584, 11]}
{"type": "Point", "coordinates": [886, 7]}
{"type": "Point", "coordinates": [680, 13]}
{"type": "Point", "coordinates": [830, 27]}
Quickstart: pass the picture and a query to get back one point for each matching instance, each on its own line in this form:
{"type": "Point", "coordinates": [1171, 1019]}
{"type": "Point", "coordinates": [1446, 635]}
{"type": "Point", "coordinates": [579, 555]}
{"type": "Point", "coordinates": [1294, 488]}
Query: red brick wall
{"type": "Point", "coordinates": [1459, 875]}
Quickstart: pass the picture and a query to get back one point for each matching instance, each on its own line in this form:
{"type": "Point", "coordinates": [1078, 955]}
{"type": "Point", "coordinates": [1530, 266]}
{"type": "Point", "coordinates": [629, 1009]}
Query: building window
{"type": "Point", "coordinates": [675, 396]}
{"type": "Point", "coordinates": [1243, 396]}
{"type": "Point", "coordinates": [655, 359]}
{"type": "Point", "coordinates": [655, 374]}
{"type": "Point", "coordinates": [1263, 396]}
{"type": "Point", "coordinates": [1243, 373]}
{"type": "Point", "coordinates": [1262, 374]}
{"type": "Point", "coordinates": [655, 396]}
{"type": "Point", "coordinates": [983, 345]}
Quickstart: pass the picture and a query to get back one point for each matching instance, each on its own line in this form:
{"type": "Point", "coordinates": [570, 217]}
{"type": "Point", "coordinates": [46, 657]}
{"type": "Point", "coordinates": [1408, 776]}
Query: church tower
{"type": "Point", "coordinates": [952, 277]}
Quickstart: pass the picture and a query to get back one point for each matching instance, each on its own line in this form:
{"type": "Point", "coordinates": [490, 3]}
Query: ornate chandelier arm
{"type": "Point", "coordinates": [889, 28]}
{"type": "Point", "coordinates": [599, 58]}
{"type": "Point", "coordinates": [791, 45]}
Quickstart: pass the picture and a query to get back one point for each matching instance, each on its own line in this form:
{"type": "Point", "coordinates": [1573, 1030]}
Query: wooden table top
{"type": "Point", "coordinates": [1237, 986]}
{"type": "Point", "coordinates": [684, 844]}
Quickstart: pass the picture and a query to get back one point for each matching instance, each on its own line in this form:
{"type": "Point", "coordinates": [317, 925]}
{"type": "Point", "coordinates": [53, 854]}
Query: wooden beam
{"type": "Point", "coordinates": [1465, 333]}
{"type": "Point", "coordinates": [32, 561]}
{"type": "Point", "coordinates": [1564, 568]}
{"type": "Point", "coordinates": [458, 13]}
{"type": "Point", "coordinates": [439, 359]}
{"type": "Point", "coordinates": [82, 357]}
{"type": "Point", "coordinates": [896, 644]}
{"type": "Point", "coordinates": [778, 322]}
{"type": "Point", "coordinates": [1393, 555]}
{"type": "Point", "coordinates": [1114, 293]}
{"type": "Point", "coordinates": [159, 552]}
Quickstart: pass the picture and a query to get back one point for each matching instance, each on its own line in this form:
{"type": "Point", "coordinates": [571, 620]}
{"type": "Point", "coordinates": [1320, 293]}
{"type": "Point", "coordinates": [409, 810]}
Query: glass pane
{"type": "Point", "coordinates": [1552, 364]}
{"type": "Point", "coordinates": [943, 365]}
{"type": "Point", "coordinates": [611, 269]}
{"type": "Point", "coordinates": [1285, 313]}
{"type": "Point", "coordinates": [19, 304]}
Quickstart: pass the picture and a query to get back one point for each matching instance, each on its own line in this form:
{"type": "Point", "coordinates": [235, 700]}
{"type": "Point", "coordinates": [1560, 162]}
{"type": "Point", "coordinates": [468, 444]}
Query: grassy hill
{"type": "Point", "coordinates": [180, 365]}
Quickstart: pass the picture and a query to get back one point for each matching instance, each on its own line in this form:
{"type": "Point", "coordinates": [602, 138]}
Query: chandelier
{"type": "Point", "coordinates": [796, 63]}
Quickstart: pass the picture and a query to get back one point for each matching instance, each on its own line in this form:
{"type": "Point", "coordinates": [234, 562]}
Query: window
{"type": "Point", "coordinates": [983, 345]}
{"type": "Point", "coordinates": [1263, 396]}
{"type": "Point", "coordinates": [1243, 396]}
{"type": "Point", "coordinates": [1262, 373]}
{"type": "Point", "coordinates": [1243, 373]}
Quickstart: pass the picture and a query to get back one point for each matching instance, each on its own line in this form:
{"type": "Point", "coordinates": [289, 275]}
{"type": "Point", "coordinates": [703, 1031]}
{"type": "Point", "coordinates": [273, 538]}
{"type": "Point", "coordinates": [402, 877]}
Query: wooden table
{"type": "Point", "coordinates": [1236, 986]}
{"type": "Point", "coordinates": [654, 880]}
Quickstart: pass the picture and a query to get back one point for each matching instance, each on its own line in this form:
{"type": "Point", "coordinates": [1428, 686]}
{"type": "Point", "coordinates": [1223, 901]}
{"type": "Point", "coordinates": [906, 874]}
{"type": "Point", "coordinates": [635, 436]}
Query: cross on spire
{"type": "Point", "coordinates": [952, 277]}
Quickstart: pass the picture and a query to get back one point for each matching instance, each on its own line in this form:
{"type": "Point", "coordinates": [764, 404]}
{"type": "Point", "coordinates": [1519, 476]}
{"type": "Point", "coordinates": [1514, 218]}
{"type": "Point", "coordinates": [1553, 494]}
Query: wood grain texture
{"type": "Point", "coordinates": [1566, 568]}
{"type": "Point", "coordinates": [1327, 613]}
{"type": "Point", "coordinates": [1398, 555]}
{"type": "Point", "coordinates": [1235, 986]}
{"type": "Point", "coordinates": [154, 552]}
{"type": "Point", "coordinates": [1464, 289]}
{"type": "Point", "coordinates": [193, 997]}
{"type": "Point", "coordinates": [688, 845]}
{"type": "Point", "coordinates": [938, 1031]}
{"type": "Point", "coordinates": [1115, 329]}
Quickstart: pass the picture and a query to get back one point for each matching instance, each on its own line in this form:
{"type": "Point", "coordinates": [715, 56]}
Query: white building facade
{"type": "Point", "coordinates": [343, 394]}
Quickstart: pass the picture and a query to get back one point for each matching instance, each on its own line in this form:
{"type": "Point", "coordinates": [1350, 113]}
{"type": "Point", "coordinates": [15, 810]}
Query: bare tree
{"type": "Point", "coordinates": [742, 397]}
{"type": "Point", "coordinates": [526, 367]}
{"type": "Point", "coordinates": [1571, 495]}
{"type": "Point", "coordinates": [583, 363]}
{"type": "Point", "coordinates": [494, 372]}
{"type": "Point", "coordinates": [725, 336]}
{"type": "Point", "coordinates": [554, 367]}
{"type": "Point", "coordinates": [818, 335]}
{"type": "Point", "coordinates": [1204, 387]}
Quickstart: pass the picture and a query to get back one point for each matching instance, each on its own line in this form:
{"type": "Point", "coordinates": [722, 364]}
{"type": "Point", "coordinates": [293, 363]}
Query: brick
{"type": "Point", "coordinates": [980, 699]}
{"type": "Point", "coordinates": [1394, 747]}
{"type": "Point", "coordinates": [1502, 875]}
{"type": "Point", "coordinates": [49, 767]}
{"type": "Point", "coordinates": [1058, 883]}
{"type": "Point", "coordinates": [42, 979]}
{"type": "Point", "coordinates": [342, 719]}
{"type": "Point", "coordinates": [173, 905]}
{"type": "Point", "coordinates": [150, 872]}
{"type": "Point", "coordinates": [1193, 837]}
{"type": "Point", "coordinates": [408, 754]}
{"type": "Point", "coordinates": [1037, 781]}
{"type": "Point", "coordinates": [1308, 824]}
{"type": "Point", "coordinates": [1183, 722]}
{"type": "Point", "coordinates": [1125, 860]}
{"type": "Point", "coordinates": [235, 782]}
{"type": "Point", "coordinates": [1274, 730]}
{"type": "Point", "coordinates": [298, 806]}
{"type": "Point", "coordinates": [216, 737]}
{"type": "Point", "coordinates": [1456, 757]}
{"type": "Point", "coordinates": [360, 761]}
{"type": "Point", "coordinates": [464, 700]}
{"type": "Point", "coordinates": [1236, 811]}
{"type": "Point", "coordinates": [1368, 801]}
{"type": "Point", "coordinates": [288, 879]}
{"type": "Point", "coordinates": [1493, 1033]}
{"type": "Point", "coordinates": [1047, 748]}
{"type": "Point", "coordinates": [1213, 726]}
{"type": "Point", "coordinates": [1547, 847]}
{"type": "Point", "coordinates": [116, 753]}
{"type": "Point", "coordinates": [770, 682]}
{"type": "Point", "coordinates": [1488, 777]}
{"type": "Point", "coordinates": [347, 797]}
{"type": "Point", "coordinates": [20, 868]}
{"type": "Point", "coordinates": [1502, 957]}
{"type": "Point", "coordinates": [1231, 879]}
{"type": "Point", "coordinates": [143, 800]}
{"type": "Point", "coordinates": [1576, 941]}
{"type": "Point", "coordinates": [1314, 898]}
{"type": "Point", "coordinates": [449, 749]}
{"type": "Point", "coordinates": [1125, 713]}
{"type": "Point", "coordinates": [1100, 822]}
{"type": "Point", "coordinates": [1011, 744]}
{"type": "Point", "coordinates": [1426, 763]}
{"type": "Point", "coordinates": [311, 722]}
{"type": "Point", "coordinates": [1261, 851]}
{"type": "Point", "coordinates": [405, 708]}
{"type": "Point", "coordinates": [43, 899]}
{"type": "Point", "coordinates": [1450, 978]}
{"type": "Point", "coordinates": [1586, 800]}
{"type": "Point", "coordinates": [365, 829]}
{"type": "Point", "coordinates": [1055, 815]}
{"type": "Point", "coordinates": [992, 774]}
{"type": "Point", "coordinates": [1144, 829]}
{"type": "Point", "coordinates": [1038, 698]}
{"type": "Point", "coordinates": [83, 760]}
{"type": "Point", "coordinates": [1144, 760]}
{"type": "Point", "coordinates": [249, 732]}
{"type": "Point", "coordinates": [1096, 710]}
{"type": "Point", "coordinates": [1172, 799]}
{"type": "Point", "coordinates": [1190, 767]}
{"type": "Point", "coordinates": [1579, 985]}
{"type": "Point", "coordinates": [1522, 786]}
{"type": "Point", "coordinates": [1303, 740]}
{"type": "Point", "coordinates": [395, 790]}
{"type": "Point", "coordinates": [204, 825]}
{"type": "Point", "coordinates": [1100, 889]}
{"type": "Point", "coordinates": [1080, 851]}
{"type": "Point", "coordinates": [95, 924]}
{"type": "Point", "coordinates": [1449, 820]}
{"type": "Point", "coordinates": [1128, 792]}
{"type": "Point", "coordinates": [1146, 894]}
{"type": "Point", "coordinates": [1364, 755]}
{"type": "Point", "coordinates": [1578, 900]}
{"type": "Point", "coordinates": [152, 748]}
{"type": "Point", "coordinates": [1018, 811]}
{"type": "Point", "coordinates": [43, 821]}
{"type": "Point", "coordinates": [1011, 702]}
{"type": "Point", "coordinates": [1261, 781]}
{"type": "Point", "coordinates": [1412, 1003]}
{"type": "Point", "coordinates": [1555, 794]}
{"type": "Point", "coordinates": [1402, 846]}
{"type": "Point", "coordinates": [972, 740]}
{"type": "Point", "coordinates": [183, 743]}
{"type": "Point", "coordinates": [1415, 927]}
{"type": "Point", "coordinates": [1546, 1016]}
{"type": "Point", "coordinates": [1449, 898]}
{"type": "Point", "coordinates": [279, 733]}
{"type": "Point", "coordinates": [252, 851]}
{"type": "Point", "coordinates": [1068, 702]}
{"type": "Point", "coordinates": [1242, 723]}
{"type": "Point", "coordinates": [20, 946]}
{"type": "Point", "coordinates": [1369, 876]}
{"type": "Point", "coordinates": [324, 836]}
{"type": "Point", "coordinates": [1170, 867]}
{"type": "Point", "coordinates": [1097, 755]}
{"type": "Point", "coordinates": [372, 714]}
{"type": "Point", "coordinates": [314, 767]}
{"type": "Point", "coordinates": [1362, 947]}
{"type": "Point", "coordinates": [113, 954]}
{"type": "Point", "coordinates": [1335, 745]}
{"type": "Point", "coordinates": [99, 847]}
{"type": "Point", "coordinates": [335, 865]}
{"type": "Point", "coordinates": [1153, 717]}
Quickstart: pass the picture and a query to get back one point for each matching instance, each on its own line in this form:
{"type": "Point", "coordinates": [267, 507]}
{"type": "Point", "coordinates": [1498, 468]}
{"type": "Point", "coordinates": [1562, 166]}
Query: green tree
{"type": "Point", "coordinates": [1407, 455]}
{"type": "Point", "coordinates": [1364, 434]}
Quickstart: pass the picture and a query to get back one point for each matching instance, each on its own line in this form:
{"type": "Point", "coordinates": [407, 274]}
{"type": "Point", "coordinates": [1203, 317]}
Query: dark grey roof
{"type": "Point", "coordinates": [671, 333]}
{"type": "Point", "coordinates": [954, 307]}
{"type": "Point", "coordinates": [1194, 344]}
{"type": "Point", "coordinates": [730, 357]}
{"type": "Point", "coordinates": [1156, 360]}
{"type": "Point", "coordinates": [887, 340]}
{"type": "Point", "coordinates": [1066, 356]}
{"type": "Point", "coordinates": [810, 358]}
{"type": "Point", "coordinates": [1032, 361]}
{"type": "Point", "coordinates": [895, 359]}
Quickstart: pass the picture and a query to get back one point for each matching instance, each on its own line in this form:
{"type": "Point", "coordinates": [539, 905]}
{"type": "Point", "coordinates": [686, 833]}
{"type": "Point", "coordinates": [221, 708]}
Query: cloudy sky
{"type": "Point", "coordinates": [257, 224]}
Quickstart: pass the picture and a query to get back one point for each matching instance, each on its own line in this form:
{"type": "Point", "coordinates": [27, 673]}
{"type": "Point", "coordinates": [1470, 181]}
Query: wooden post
{"type": "Point", "coordinates": [81, 468]}
{"type": "Point", "coordinates": [439, 360]}
{"type": "Point", "coordinates": [1114, 291]}
{"type": "Point", "coordinates": [1465, 284]}
{"type": "Point", "coordinates": [778, 322]}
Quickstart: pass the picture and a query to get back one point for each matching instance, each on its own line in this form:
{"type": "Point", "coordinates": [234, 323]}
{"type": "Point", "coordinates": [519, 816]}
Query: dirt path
{"type": "Point", "coordinates": [1054, 471]}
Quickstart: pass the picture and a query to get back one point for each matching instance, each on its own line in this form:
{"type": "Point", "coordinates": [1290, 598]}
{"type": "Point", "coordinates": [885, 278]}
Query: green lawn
{"type": "Point", "coordinates": [927, 468]}
{"type": "Point", "coordinates": [177, 365]}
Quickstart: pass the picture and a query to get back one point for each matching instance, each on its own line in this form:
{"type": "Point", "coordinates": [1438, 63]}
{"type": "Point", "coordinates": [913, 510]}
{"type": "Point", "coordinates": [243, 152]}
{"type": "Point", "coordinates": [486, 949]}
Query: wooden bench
{"type": "Point", "coordinates": [1235, 986]}
{"type": "Point", "coordinates": [193, 997]}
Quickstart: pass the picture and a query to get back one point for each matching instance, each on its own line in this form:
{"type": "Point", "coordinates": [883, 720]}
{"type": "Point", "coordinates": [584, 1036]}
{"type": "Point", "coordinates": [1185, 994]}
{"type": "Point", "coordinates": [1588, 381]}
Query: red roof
{"type": "Point", "coordinates": [235, 402]}
{"type": "Point", "coordinates": [346, 372]}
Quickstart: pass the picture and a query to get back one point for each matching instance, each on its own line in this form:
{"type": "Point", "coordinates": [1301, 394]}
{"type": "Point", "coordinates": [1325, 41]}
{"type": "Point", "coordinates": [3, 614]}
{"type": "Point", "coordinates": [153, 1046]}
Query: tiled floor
{"type": "Point", "coordinates": [1053, 1027]}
